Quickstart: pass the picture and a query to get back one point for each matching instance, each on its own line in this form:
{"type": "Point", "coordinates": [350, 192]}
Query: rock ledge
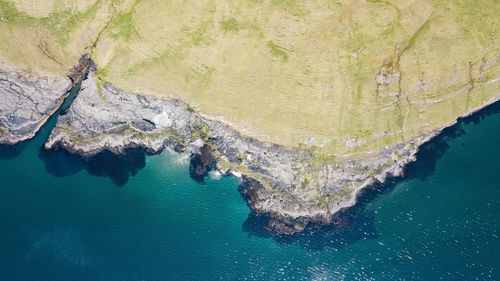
{"type": "Point", "coordinates": [294, 186]}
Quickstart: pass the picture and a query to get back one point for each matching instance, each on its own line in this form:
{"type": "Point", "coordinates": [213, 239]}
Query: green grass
{"type": "Point", "coordinates": [292, 72]}
{"type": "Point", "coordinates": [9, 13]}
{"type": "Point", "coordinates": [230, 25]}
{"type": "Point", "coordinates": [277, 50]}
{"type": "Point", "coordinates": [63, 23]}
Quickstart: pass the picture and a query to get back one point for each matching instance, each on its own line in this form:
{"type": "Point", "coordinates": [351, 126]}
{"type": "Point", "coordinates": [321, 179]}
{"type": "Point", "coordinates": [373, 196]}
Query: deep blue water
{"type": "Point", "coordinates": [143, 218]}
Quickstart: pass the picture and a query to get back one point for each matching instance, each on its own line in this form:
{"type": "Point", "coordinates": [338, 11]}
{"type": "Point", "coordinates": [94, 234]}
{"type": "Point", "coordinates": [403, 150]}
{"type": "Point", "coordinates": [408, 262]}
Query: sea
{"type": "Point", "coordinates": [142, 217]}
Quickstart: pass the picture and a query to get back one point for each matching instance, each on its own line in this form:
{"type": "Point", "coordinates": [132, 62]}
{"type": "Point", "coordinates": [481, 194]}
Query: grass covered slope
{"type": "Point", "coordinates": [49, 36]}
{"type": "Point", "coordinates": [345, 77]}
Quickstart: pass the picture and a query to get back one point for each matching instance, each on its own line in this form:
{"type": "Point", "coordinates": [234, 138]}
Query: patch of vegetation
{"type": "Point", "coordinates": [99, 79]}
{"type": "Point", "coordinates": [61, 24]}
{"type": "Point", "coordinates": [230, 62]}
{"type": "Point", "coordinates": [307, 179]}
{"type": "Point", "coordinates": [4, 131]}
{"type": "Point", "coordinates": [198, 35]}
{"type": "Point", "coordinates": [200, 131]}
{"type": "Point", "coordinates": [230, 25]}
{"type": "Point", "coordinates": [9, 14]}
{"type": "Point", "coordinates": [277, 50]}
{"type": "Point", "coordinates": [124, 25]}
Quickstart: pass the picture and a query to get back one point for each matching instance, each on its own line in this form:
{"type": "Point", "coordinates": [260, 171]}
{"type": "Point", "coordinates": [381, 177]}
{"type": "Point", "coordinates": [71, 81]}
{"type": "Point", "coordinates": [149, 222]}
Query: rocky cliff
{"type": "Point", "coordinates": [27, 101]}
{"type": "Point", "coordinates": [294, 185]}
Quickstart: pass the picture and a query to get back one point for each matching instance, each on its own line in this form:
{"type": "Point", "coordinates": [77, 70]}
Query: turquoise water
{"type": "Point", "coordinates": [144, 218]}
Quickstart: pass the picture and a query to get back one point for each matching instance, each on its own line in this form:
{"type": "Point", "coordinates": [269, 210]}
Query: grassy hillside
{"type": "Point", "coordinates": [344, 76]}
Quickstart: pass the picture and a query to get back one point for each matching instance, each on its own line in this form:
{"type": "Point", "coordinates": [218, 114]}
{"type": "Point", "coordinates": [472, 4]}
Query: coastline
{"type": "Point", "coordinates": [17, 88]}
{"type": "Point", "coordinates": [435, 133]}
{"type": "Point", "coordinates": [41, 93]}
{"type": "Point", "coordinates": [293, 185]}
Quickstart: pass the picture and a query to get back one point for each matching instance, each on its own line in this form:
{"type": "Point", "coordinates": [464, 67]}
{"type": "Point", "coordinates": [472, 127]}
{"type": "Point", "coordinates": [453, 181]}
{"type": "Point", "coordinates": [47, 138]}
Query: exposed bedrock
{"type": "Point", "coordinates": [293, 185]}
{"type": "Point", "coordinates": [28, 100]}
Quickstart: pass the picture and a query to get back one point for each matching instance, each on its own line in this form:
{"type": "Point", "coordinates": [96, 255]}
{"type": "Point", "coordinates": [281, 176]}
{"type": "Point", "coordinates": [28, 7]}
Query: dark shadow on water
{"type": "Point", "coordinates": [60, 163]}
{"type": "Point", "coordinates": [11, 151]}
{"type": "Point", "coordinates": [350, 225]}
{"type": "Point", "coordinates": [119, 168]}
{"type": "Point", "coordinates": [357, 222]}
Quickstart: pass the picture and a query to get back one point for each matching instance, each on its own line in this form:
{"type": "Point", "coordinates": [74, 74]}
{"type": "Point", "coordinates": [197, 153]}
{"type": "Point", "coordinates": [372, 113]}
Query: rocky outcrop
{"type": "Point", "coordinates": [202, 161]}
{"type": "Point", "coordinates": [293, 185]}
{"type": "Point", "coordinates": [79, 73]}
{"type": "Point", "coordinates": [27, 101]}
{"type": "Point", "coordinates": [108, 118]}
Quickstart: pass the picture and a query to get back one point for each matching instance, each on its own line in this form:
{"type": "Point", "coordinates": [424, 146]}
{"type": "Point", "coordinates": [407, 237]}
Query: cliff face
{"type": "Point", "coordinates": [27, 101]}
{"type": "Point", "coordinates": [293, 185]}
{"type": "Point", "coordinates": [309, 101]}
{"type": "Point", "coordinates": [344, 77]}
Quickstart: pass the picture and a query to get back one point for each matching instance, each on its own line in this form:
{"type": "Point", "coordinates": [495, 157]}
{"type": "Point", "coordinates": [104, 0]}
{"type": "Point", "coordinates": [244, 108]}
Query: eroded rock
{"type": "Point", "coordinates": [294, 186]}
{"type": "Point", "coordinates": [27, 101]}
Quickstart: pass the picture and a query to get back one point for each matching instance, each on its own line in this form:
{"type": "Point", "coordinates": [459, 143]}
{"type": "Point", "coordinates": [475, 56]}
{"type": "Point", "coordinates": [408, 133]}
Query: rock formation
{"type": "Point", "coordinates": [27, 101]}
{"type": "Point", "coordinates": [293, 185]}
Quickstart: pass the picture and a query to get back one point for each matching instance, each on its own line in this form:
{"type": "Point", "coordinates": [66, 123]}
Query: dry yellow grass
{"type": "Point", "coordinates": [43, 8]}
{"type": "Point", "coordinates": [346, 76]}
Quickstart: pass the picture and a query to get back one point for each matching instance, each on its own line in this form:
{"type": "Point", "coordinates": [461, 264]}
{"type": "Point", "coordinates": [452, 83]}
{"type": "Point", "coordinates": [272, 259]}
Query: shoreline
{"type": "Point", "coordinates": [294, 186]}
{"type": "Point", "coordinates": [15, 126]}
{"type": "Point", "coordinates": [20, 125]}
{"type": "Point", "coordinates": [435, 133]}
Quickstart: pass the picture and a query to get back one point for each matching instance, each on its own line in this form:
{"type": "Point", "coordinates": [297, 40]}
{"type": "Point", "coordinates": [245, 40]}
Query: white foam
{"type": "Point", "coordinates": [183, 158]}
{"type": "Point", "coordinates": [215, 175]}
